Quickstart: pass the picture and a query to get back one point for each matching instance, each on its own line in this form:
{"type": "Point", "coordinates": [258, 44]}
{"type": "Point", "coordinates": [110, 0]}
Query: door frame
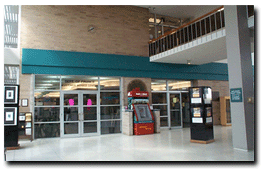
{"type": "Point", "coordinates": [80, 113]}
{"type": "Point", "coordinates": [168, 109]}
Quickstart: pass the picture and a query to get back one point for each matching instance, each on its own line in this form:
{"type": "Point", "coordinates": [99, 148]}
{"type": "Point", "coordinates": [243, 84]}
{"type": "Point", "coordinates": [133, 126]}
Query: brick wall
{"type": "Point", "coordinates": [220, 86]}
{"type": "Point", "coordinates": [118, 30]}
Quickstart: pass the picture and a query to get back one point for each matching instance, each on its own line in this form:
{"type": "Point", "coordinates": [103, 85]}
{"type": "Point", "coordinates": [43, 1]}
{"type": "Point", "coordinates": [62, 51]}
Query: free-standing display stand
{"type": "Point", "coordinates": [201, 118]}
{"type": "Point", "coordinates": [11, 110]}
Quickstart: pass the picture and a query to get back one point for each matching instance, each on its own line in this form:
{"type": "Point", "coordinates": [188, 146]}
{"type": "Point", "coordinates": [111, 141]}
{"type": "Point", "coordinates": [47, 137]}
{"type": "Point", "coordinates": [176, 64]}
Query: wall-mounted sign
{"type": "Point", "coordinates": [236, 94]}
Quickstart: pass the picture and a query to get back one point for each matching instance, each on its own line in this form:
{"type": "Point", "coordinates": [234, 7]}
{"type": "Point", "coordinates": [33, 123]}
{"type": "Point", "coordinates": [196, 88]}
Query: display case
{"type": "Point", "coordinates": [201, 126]}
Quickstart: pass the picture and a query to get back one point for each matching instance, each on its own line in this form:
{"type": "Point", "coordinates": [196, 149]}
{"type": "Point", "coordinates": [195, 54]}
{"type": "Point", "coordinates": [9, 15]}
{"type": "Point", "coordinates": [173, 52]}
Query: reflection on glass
{"type": "Point", "coordinates": [70, 128]}
{"type": "Point", "coordinates": [79, 83]}
{"type": "Point", "coordinates": [174, 101]}
{"type": "Point", "coordinates": [159, 98]}
{"type": "Point", "coordinates": [47, 82]}
{"type": "Point", "coordinates": [163, 121]}
{"type": "Point", "coordinates": [90, 127]}
{"type": "Point", "coordinates": [70, 99]}
{"type": "Point", "coordinates": [89, 99]}
{"type": "Point", "coordinates": [178, 85]}
{"type": "Point", "coordinates": [70, 114]}
{"type": "Point", "coordinates": [110, 112]}
{"type": "Point", "coordinates": [47, 130]}
{"type": "Point", "coordinates": [90, 113]}
{"type": "Point", "coordinates": [109, 83]}
{"type": "Point", "coordinates": [162, 108]}
{"type": "Point", "coordinates": [107, 98]}
{"type": "Point", "coordinates": [47, 98]}
{"type": "Point", "coordinates": [109, 127]}
{"type": "Point", "coordinates": [44, 114]}
{"type": "Point", "coordinates": [158, 85]}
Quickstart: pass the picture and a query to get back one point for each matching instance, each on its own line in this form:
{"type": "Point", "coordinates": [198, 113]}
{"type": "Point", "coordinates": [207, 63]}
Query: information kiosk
{"type": "Point", "coordinates": [143, 119]}
{"type": "Point", "coordinates": [201, 117]}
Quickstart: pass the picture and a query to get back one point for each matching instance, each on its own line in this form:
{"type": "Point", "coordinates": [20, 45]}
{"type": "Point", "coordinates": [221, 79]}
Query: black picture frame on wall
{"type": "Point", "coordinates": [10, 95]}
{"type": "Point", "coordinates": [10, 116]}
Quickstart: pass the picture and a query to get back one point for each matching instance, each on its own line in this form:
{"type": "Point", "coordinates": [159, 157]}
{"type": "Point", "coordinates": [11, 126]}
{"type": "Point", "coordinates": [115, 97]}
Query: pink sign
{"type": "Point", "coordinates": [71, 102]}
{"type": "Point", "coordinates": [89, 103]}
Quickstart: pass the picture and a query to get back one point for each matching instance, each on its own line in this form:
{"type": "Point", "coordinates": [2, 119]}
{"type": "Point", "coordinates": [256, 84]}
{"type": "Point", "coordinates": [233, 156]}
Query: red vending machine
{"type": "Point", "coordinates": [143, 119]}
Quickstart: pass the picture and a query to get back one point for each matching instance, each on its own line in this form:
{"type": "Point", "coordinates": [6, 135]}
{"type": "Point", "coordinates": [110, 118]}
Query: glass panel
{"type": "Point", "coordinates": [90, 127]}
{"type": "Point", "coordinates": [11, 74]}
{"type": "Point", "coordinates": [207, 20]}
{"type": "Point", "coordinates": [79, 83]}
{"type": "Point", "coordinates": [109, 127]}
{"type": "Point", "coordinates": [109, 83]}
{"type": "Point", "coordinates": [193, 31]}
{"type": "Point", "coordinates": [70, 114]}
{"type": "Point", "coordinates": [162, 108]}
{"type": "Point", "coordinates": [159, 98]}
{"type": "Point", "coordinates": [163, 122]}
{"type": "Point", "coordinates": [213, 22]}
{"type": "Point", "coordinates": [70, 128]}
{"type": "Point", "coordinates": [223, 18]}
{"type": "Point", "coordinates": [90, 113]}
{"type": "Point", "coordinates": [186, 34]}
{"type": "Point", "coordinates": [182, 36]}
{"type": "Point", "coordinates": [44, 114]}
{"type": "Point", "coordinates": [89, 99]}
{"type": "Point", "coordinates": [178, 85]}
{"type": "Point", "coordinates": [47, 130]}
{"type": "Point", "coordinates": [185, 109]}
{"type": "Point", "coordinates": [158, 85]}
{"type": "Point", "coordinates": [110, 112]}
{"type": "Point", "coordinates": [228, 114]}
{"type": "Point", "coordinates": [190, 32]}
{"type": "Point", "coordinates": [175, 117]}
{"type": "Point", "coordinates": [47, 98]}
{"type": "Point", "coordinates": [198, 29]}
{"type": "Point", "coordinates": [107, 98]}
{"type": "Point", "coordinates": [70, 99]}
{"type": "Point", "coordinates": [203, 27]}
{"type": "Point", "coordinates": [47, 82]}
{"type": "Point", "coordinates": [218, 20]}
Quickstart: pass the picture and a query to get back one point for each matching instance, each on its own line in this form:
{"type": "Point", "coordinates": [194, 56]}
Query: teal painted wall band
{"type": "Point", "coordinates": [36, 61]}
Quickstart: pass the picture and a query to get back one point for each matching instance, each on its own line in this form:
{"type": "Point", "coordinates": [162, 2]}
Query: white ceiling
{"type": "Point", "coordinates": [181, 11]}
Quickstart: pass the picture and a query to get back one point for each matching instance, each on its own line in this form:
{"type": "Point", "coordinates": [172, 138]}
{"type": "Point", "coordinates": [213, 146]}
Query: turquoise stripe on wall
{"type": "Point", "coordinates": [36, 61]}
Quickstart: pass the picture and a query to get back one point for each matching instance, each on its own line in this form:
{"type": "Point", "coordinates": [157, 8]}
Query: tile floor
{"type": "Point", "coordinates": [169, 145]}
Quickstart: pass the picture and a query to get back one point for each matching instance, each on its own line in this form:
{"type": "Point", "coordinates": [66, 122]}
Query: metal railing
{"type": "Point", "coordinates": [203, 25]}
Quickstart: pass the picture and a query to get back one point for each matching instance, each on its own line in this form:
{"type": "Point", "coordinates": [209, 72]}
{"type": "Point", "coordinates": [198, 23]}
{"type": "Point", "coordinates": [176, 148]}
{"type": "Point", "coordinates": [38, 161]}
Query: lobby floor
{"type": "Point", "coordinates": [169, 145]}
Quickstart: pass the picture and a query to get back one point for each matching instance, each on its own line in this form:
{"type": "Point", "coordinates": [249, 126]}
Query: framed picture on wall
{"type": "Point", "coordinates": [10, 116]}
{"type": "Point", "coordinates": [10, 95]}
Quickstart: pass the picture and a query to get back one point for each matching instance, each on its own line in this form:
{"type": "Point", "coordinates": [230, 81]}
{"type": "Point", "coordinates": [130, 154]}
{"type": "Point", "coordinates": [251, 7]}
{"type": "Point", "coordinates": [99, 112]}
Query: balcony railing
{"type": "Point", "coordinates": [205, 24]}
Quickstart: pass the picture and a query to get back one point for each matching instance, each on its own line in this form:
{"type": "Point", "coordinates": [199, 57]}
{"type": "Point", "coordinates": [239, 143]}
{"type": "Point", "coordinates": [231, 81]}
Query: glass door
{"type": "Point", "coordinates": [175, 110]}
{"type": "Point", "coordinates": [79, 114]}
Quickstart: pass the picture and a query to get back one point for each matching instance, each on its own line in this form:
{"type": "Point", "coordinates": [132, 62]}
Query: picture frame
{"type": "Point", "coordinates": [24, 102]}
{"type": "Point", "coordinates": [10, 116]}
{"type": "Point", "coordinates": [11, 94]}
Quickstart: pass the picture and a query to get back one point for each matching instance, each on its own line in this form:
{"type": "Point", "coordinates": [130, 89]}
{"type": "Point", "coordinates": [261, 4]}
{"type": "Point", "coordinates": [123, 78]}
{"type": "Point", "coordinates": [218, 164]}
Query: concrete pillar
{"type": "Point", "coordinates": [240, 76]}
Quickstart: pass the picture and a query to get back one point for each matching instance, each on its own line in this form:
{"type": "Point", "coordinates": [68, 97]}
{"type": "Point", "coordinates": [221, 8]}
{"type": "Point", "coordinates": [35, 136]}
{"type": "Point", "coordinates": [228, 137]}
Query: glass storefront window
{"type": "Point", "coordinates": [47, 130]}
{"type": "Point", "coordinates": [163, 122]}
{"type": "Point", "coordinates": [70, 99]}
{"type": "Point", "coordinates": [79, 83]}
{"type": "Point", "coordinates": [159, 98]}
{"type": "Point", "coordinates": [178, 85]}
{"type": "Point", "coordinates": [162, 108]}
{"type": "Point", "coordinates": [158, 85]}
{"type": "Point", "coordinates": [109, 127]}
{"type": "Point", "coordinates": [109, 98]}
{"type": "Point", "coordinates": [110, 112]}
{"type": "Point", "coordinates": [109, 83]}
{"type": "Point", "coordinates": [46, 114]}
{"type": "Point", "coordinates": [47, 98]}
{"type": "Point", "coordinates": [47, 82]}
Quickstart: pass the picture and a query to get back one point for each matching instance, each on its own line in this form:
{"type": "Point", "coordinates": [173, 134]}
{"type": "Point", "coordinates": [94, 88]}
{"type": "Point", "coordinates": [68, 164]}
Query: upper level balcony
{"type": "Point", "coordinates": [197, 42]}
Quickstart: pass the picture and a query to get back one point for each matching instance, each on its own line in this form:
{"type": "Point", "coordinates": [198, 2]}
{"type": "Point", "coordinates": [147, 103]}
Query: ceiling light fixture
{"type": "Point", "coordinates": [188, 62]}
